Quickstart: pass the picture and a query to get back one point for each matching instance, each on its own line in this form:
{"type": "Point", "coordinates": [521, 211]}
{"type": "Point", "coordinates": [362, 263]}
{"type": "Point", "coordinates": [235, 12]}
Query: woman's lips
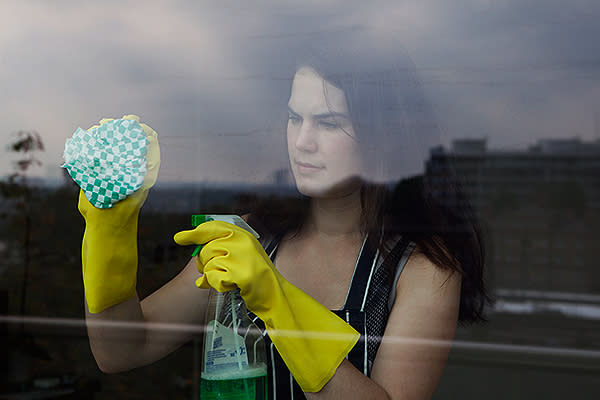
{"type": "Point", "coordinates": [306, 168]}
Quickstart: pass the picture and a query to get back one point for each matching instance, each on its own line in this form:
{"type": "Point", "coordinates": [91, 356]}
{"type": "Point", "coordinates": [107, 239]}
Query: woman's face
{"type": "Point", "coordinates": [324, 152]}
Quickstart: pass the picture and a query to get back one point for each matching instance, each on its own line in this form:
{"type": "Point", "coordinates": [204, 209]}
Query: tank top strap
{"type": "Point", "coordinates": [269, 243]}
{"type": "Point", "coordinates": [368, 262]}
{"type": "Point", "coordinates": [361, 278]}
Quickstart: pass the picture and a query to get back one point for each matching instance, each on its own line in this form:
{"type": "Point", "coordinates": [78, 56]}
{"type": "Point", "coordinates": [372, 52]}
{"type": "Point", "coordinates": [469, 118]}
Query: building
{"type": "Point", "coordinates": [540, 209]}
{"type": "Point", "coordinates": [566, 169]}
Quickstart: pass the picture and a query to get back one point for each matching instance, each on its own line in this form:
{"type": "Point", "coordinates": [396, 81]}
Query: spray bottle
{"type": "Point", "coordinates": [234, 358]}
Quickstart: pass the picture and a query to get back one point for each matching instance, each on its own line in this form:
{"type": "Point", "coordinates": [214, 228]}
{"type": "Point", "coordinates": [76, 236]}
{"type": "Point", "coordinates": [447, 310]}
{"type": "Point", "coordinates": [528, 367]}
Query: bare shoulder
{"type": "Point", "coordinates": [421, 276]}
{"type": "Point", "coordinates": [420, 328]}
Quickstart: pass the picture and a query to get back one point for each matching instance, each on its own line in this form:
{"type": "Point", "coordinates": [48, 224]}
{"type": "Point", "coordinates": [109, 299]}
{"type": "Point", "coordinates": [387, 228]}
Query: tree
{"type": "Point", "coordinates": [16, 189]}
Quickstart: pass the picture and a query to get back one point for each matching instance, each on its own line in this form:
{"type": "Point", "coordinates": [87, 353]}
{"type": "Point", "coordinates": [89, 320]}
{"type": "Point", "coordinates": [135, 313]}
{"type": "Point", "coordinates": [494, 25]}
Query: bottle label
{"type": "Point", "coordinates": [224, 350]}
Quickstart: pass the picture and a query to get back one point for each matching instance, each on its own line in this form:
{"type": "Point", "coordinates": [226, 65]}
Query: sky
{"type": "Point", "coordinates": [213, 78]}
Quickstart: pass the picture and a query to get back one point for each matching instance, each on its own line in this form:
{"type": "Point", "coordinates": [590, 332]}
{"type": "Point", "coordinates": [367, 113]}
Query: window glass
{"type": "Point", "coordinates": [469, 128]}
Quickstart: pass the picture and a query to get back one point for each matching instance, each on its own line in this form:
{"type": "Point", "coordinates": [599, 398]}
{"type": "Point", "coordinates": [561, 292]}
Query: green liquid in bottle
{"type": "Point", "coordinates": [249, 386]}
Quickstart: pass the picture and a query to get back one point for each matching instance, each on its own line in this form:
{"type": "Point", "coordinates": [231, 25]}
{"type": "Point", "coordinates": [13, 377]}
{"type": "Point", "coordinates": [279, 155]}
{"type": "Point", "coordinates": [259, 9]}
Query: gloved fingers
{"type": "Point", "coordinates": [105, 120]}
{"type": "Point", "coordinates": [199, 265]}
{"type": "Point", "coordinates": [214, 276]}
{"type": "Point", "coordinates": [226, 235]}
{"type": "Point", "coordinates": [205, 232]}
{"type": "Point", "coordinates": [213, 256]}
{"type": "Point", "coordinates": [202, 282]}
{"type": "Point", "coordinates": [216, 229]}
{"type": "Point", "coordinates": [212, 251]}
{"type": "Point", "coordinates": [128, 116]}
{"type": "Point", "coordinates": [218, 278]}
{"type": "Point", "coordinates": [101, 122]}
{"type": "Point", "coordinates": [186, 238]}
{"type": "Point", "coordinates": [152, 157]}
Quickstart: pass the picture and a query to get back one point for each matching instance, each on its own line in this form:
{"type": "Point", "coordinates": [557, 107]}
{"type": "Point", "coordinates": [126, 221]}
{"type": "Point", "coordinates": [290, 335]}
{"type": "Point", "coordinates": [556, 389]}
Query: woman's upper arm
{"type": "Point", "coordinates": [420, 328]}
{"type": "Point", "coordinates": [174, 313]}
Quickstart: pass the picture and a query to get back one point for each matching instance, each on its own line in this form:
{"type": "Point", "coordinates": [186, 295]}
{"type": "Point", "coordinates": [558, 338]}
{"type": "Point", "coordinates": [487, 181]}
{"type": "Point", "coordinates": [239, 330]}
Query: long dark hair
{"type": "Point", "coordinates": [391, 119]}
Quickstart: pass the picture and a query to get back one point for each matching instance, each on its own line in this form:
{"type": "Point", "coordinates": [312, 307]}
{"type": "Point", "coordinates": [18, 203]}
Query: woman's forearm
{"type": "Point", "coordinates": [349, 383]}
{"type": "Point", "coordinates": [134, 333]}
{"type": "Point", "coordinates": [117, 336]}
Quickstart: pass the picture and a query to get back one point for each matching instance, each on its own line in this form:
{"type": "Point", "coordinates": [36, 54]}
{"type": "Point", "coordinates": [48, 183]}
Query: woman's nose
{"type": "Point", "coordinates": [306, 139]}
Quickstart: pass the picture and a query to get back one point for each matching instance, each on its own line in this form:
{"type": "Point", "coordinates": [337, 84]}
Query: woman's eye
{"type": "Point", "coordinates": [328, 124]}
{"type": "Point", "coordinates": [293, 119]}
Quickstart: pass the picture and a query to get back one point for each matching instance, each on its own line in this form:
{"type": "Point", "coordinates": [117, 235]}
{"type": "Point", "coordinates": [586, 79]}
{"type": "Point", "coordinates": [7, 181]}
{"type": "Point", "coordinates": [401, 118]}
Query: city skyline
{"type": "Point", "coordinates": [282, 176]}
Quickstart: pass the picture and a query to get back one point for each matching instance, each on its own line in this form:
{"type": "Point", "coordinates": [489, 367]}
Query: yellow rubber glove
{"type": "Point", "coordinates": [311, 340]}
{"type": "Point", "coordinates": [109, 247]}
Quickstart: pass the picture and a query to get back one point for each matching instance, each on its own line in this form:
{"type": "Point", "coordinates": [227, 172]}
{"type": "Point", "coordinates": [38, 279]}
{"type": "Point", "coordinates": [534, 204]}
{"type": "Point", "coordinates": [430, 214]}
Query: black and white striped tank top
{"type": "Point", "coordinates": [368, 303]}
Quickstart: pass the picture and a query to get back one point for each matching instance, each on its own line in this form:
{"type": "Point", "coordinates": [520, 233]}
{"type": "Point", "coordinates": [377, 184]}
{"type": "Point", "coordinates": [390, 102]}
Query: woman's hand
{"type": "Point", "coordinates": [109, 246]}
{"type": "Point", "coordinates": [311, 340]}
{"type": "Point", "coordinates": [232, 258]}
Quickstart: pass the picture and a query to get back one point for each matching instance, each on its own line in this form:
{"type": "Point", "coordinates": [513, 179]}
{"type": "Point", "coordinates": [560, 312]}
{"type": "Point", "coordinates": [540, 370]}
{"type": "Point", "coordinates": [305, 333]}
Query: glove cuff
{"type": "Point", "coordinates": [311, 340]}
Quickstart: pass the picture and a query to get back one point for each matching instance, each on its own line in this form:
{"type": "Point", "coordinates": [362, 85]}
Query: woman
{"type": "Point", "coordinates": [393, 262]}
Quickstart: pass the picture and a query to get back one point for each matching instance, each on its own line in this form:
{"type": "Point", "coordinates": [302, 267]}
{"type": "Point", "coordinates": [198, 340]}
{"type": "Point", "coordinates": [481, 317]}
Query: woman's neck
{"type": "Point", "coordinates": [335, 217]}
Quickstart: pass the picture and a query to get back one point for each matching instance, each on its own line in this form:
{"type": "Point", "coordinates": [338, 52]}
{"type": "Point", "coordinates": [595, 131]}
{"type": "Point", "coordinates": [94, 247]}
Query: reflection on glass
{"type": "Point", "coordinates": [488, 140]}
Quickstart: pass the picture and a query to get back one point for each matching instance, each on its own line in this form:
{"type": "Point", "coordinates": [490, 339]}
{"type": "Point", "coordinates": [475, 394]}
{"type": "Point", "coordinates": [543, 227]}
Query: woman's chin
{"type": "Point", "coordinates": [310, 190]}
{"type": "Point", "coordinates": [328, 190]}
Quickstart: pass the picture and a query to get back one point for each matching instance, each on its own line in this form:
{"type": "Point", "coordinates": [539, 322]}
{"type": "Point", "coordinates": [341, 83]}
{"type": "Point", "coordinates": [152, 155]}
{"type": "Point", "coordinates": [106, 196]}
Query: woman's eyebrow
{"type": "Point", "coordinates": [322, 115]}
{"type": "Point", "coordinates": [331, 115]}
{"type": "Point", "coordinates": [292, 111]}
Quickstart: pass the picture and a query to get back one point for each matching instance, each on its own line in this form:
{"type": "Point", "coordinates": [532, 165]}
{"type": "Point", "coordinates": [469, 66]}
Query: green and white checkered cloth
{"type": "Point", "coordinates": [108, 162]}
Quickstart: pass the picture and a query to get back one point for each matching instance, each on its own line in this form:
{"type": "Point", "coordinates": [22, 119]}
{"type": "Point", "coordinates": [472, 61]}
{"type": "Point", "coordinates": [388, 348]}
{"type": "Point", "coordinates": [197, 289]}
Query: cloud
{"type": "Point", "coordinates": [213, 79]}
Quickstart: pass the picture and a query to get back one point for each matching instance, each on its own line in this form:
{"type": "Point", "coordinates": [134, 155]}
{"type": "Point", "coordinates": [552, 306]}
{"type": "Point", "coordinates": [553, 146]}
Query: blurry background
{"type": "Point", "coordinates": [515, 88]}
